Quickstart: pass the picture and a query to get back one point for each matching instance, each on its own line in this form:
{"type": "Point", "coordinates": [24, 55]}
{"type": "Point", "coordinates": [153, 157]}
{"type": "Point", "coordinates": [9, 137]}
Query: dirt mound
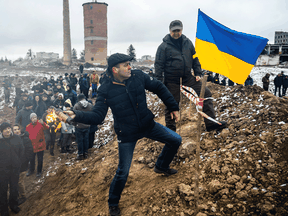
{"type": "Point", "coordinates": [243, 168]}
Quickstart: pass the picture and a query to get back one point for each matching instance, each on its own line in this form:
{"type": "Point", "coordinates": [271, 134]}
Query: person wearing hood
{"type": "Point", "coordinates": [11, 153]}
{"type": "Point", "coordinates": [36, 135]}
{"type": "Point", "coordinates": [173, 62]}
{"type": "Point", "coordinates": [70, 94]}
{"type": "Point", "coordinates": [23, 116]}
{"type": "Point", "coordinates": [59, 102]}
{"type": "Point", "coordinates": [249, 81]}
{"type": "Point", "coordinates": [27, 156]}
{"type": "Point", "coordinates": [39, 107]}
{"type": "Point", "coordinates": [266, 81]}
{"type": "Point", "coordinates": [82, 130]}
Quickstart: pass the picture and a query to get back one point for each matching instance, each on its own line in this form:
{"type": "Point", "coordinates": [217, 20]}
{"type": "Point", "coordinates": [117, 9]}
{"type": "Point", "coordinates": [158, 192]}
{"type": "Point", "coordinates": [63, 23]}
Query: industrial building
{"type": "Point", "coordinates": [95, 32]}
{"type": "Point", "coordinates": [281, 37]}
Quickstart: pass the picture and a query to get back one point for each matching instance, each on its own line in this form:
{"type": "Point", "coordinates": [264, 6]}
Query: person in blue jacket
{"type": "Point", "coordinates": [124, 91]}
{"type": "Point", "coordinates": [249, 81]}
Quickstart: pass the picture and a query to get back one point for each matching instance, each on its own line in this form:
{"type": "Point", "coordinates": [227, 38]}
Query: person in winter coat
{"type": "Point", "coordinates": [7, 87]}
{"type": "Point", "coordinates": [23, 116]}
{"type": "Point", "coordinates": [174, 60]}
{"type": "Point", "coordinates": [54, 125]}
{"type": "Point", "coordinates": [285, 85]}
{"type": "Point", "coordinates": [81, 68]}
{"type": "Point", "coordinates": [36, 135]}
{"type": "Point", "coordinates": [278, 82]}
{"type": "Point", "coordinates": [73, 82]}
{"type": "Point", "coordinates": [27, 156]}
{"type": "Point", "coordinates": [216, 79]}
{"type": "Point", "coordinates": [94, 80]}
{"type": "Point", "coordinates": [46, 100]}
{"type": "Point", "coordinates": [230, 83]}
{"type": "Point", "coordinates": [84, 85]}
{"type": "Point", "coordinates": [82, 130]}
{"type": "Point", "coordinates": [52, 80]}
{"type": "Point", "coordinates": [210, 77]}
{"type": "Point", "coordinates": [124, 91]}
{"type": "Point", "coordinates": [223, 82]}
{"type": "Point", "coordinates": [17, 83]}
{"type": "Point", "coordinates": [66, 130]}
{"type": "Point", "coordinates": [70, 94]}
{"type": "Point", "coordinates": [11, 153]}
{"type": "Point", "coordinates": [249, 81]}
{"type": "Point", "coordinates": [59, 102]}
{"type": "Point", "coordinates": [266, 81]}
{"type": "Point", "coordinates": [39, 107]}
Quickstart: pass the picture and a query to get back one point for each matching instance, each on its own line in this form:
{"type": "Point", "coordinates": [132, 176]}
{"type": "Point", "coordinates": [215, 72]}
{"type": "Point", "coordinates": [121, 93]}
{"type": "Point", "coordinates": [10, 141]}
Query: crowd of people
{"type": "Point", "coordinates": [36, 127]}
{"type": "Point", "coordinates": [280, 83]}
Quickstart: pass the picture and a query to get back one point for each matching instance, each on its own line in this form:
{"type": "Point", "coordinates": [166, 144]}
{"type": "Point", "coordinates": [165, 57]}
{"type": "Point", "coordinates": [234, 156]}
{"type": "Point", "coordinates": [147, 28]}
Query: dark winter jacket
{"type": "Point", "coordinates": [127, 100]}
{"type": "Point", "coordinates": [84, 83]}
{"type": "Point", "coordinates": [28, 151]}
{"type": "Point", "coordinates": [58, 103]}
{"type": "Point", "coordinates": [23, 118]}
{"type": "Point", "coordinates": [285, 82]}
{"type": "Point", "coordinates": [11, 153]}
{"type": "Point", "coordinates": [230, 83]}
{"type": "Point", "coordinates": [176, 63]}
{"type": "Point", "coordinates": [210, 78]}
{"type": "Point", "coordinates": [216, 79]}
{"type": "Point", "coordinates": [248, 82]}
{"type": "Point", "coordinates": [83, 106]}
{"type": "Point", "coordinates": [39, 108]}
{"type": "Point", "coordinates": [72, 95]}
{"type": "Point", "coordinates": [265, 81]}
{"type": "Point", "coordinates": [278, 81]}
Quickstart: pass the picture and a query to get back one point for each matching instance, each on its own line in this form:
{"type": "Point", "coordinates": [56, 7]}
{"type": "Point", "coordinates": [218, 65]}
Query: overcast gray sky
{"type": "Point", "coordinates": [38, 24]}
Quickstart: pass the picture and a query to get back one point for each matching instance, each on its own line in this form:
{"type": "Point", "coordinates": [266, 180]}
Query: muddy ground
{"type": "Point", "coordinates": [243, 168]}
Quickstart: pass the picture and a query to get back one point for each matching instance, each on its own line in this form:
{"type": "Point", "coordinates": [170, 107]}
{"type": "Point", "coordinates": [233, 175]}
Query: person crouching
{"type": "Point", "coordinates": [36, 135]}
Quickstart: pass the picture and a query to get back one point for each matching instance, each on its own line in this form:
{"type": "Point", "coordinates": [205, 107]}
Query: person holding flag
{"type": "Point", "coordinates": [174, 60]}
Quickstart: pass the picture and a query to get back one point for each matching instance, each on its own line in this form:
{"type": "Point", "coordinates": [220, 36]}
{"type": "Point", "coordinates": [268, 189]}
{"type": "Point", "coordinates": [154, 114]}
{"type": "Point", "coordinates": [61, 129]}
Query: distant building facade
{"type": "Point", "coordinates": [95, 32]}
{"type": "Point", "coordinates": [147, 58]}
{"type": "Point", "coordinates": [44, 55]}
{"type": "Point", "coordinates": [281, 37]}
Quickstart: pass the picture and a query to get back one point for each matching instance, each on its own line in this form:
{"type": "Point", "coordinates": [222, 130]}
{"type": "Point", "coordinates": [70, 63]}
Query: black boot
{"type": "Point", "coordinates": [217, 127]}
{"type": "Point", "coordinates": [114, 211]}
{"type": "Point", "coordinates": [80, 157]}
{"type": "Point", "coordinates": [29, 173]}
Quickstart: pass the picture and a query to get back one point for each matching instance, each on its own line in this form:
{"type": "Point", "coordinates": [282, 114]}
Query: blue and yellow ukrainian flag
{"type": "Point", "coordinates": [225, 51]}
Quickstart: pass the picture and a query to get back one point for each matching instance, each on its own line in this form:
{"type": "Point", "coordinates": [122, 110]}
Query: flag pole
{"type": "Point", "coordinates": [204, 80]}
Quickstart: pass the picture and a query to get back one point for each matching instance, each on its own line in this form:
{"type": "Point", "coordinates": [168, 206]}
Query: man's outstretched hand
{"type": "Point", "coordinates": [175, 114]}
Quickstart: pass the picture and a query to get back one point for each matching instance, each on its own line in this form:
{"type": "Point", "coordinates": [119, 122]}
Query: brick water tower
{"type": "Point", "coordinates": [95, 32]}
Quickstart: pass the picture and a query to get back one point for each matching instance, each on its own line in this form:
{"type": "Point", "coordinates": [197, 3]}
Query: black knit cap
{"type": "Point", "coordinates": [116, 59]}
{"type": "Point", "coordinates": [4, 125]}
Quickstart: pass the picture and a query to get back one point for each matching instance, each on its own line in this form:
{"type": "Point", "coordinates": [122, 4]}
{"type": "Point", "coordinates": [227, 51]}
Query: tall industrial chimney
{"type": "Point", "coordinates": [66, 34]}
{"type": "Point", "coordinates": [95, 32]}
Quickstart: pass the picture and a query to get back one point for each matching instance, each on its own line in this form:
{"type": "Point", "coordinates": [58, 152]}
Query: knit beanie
{"type": "Point", "coordinates": [32, 115]}
{"type": "Point", "coordinates": [4, 125]}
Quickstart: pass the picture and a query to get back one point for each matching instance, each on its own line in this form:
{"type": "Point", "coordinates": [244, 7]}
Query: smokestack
{"type": "Point", "coordinates": [66, 34]}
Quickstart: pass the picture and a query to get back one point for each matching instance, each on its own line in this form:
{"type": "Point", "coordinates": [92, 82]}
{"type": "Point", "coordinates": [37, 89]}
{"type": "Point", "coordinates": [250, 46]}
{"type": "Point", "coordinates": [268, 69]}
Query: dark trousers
{"type": "Point", "coordinates": [175, 91]}
{"type": "Point", "coordinates": [284, 89]}
{"type": "Point", "coordinates": [66, 141]}
{"type": "Point", "coordinates": [279, 91]}
{"type": "Point", "coordinates": [85, 92]}
{"type": "Point", "coordinates": [50, 143]}
{"type": "Point", "coordinates": [40, 156]}
{"type": "Point", "coordinates": [159, 133]}
{"type": "Point", "coordinates": [12, 180]}
{"type": "Point", "coordinates": [82, 139]}
{"type": "Point", "coordinates": [7, 95]}
{"type": "Point", "coordinates": [91, 139]}
{"type": "Point", "coordinates": [265, 88]}
{"type": "Point", "coordinates": [94, 90]}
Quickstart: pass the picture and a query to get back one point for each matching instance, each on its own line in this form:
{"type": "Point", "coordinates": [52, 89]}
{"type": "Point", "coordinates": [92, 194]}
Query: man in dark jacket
{"type": "Point", "coordinates": [278, 82]}
{"type": "Point", "coordinates": [82, 130]}
{"type": "Point", "coordinates": [174, 60]}
{"type": "Point", "coordinates": [123, 90]}
{"type": "Point", "coordinates": [266, 81]}
{"type": "Point", "coordinates": [249, 81]}
{"type": "Point", "coordinates": [285, 85]}
{"type": "Point", "coordinates": [11, 152]}
{"type": "Point", "coordinates": [70, 94]}
{"type": "Point", "coordinates": [23, 116]}
{"type": "Point", "coordinates": [27, 156]}
{"type": "Point", "coordinates": [7, 87]}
